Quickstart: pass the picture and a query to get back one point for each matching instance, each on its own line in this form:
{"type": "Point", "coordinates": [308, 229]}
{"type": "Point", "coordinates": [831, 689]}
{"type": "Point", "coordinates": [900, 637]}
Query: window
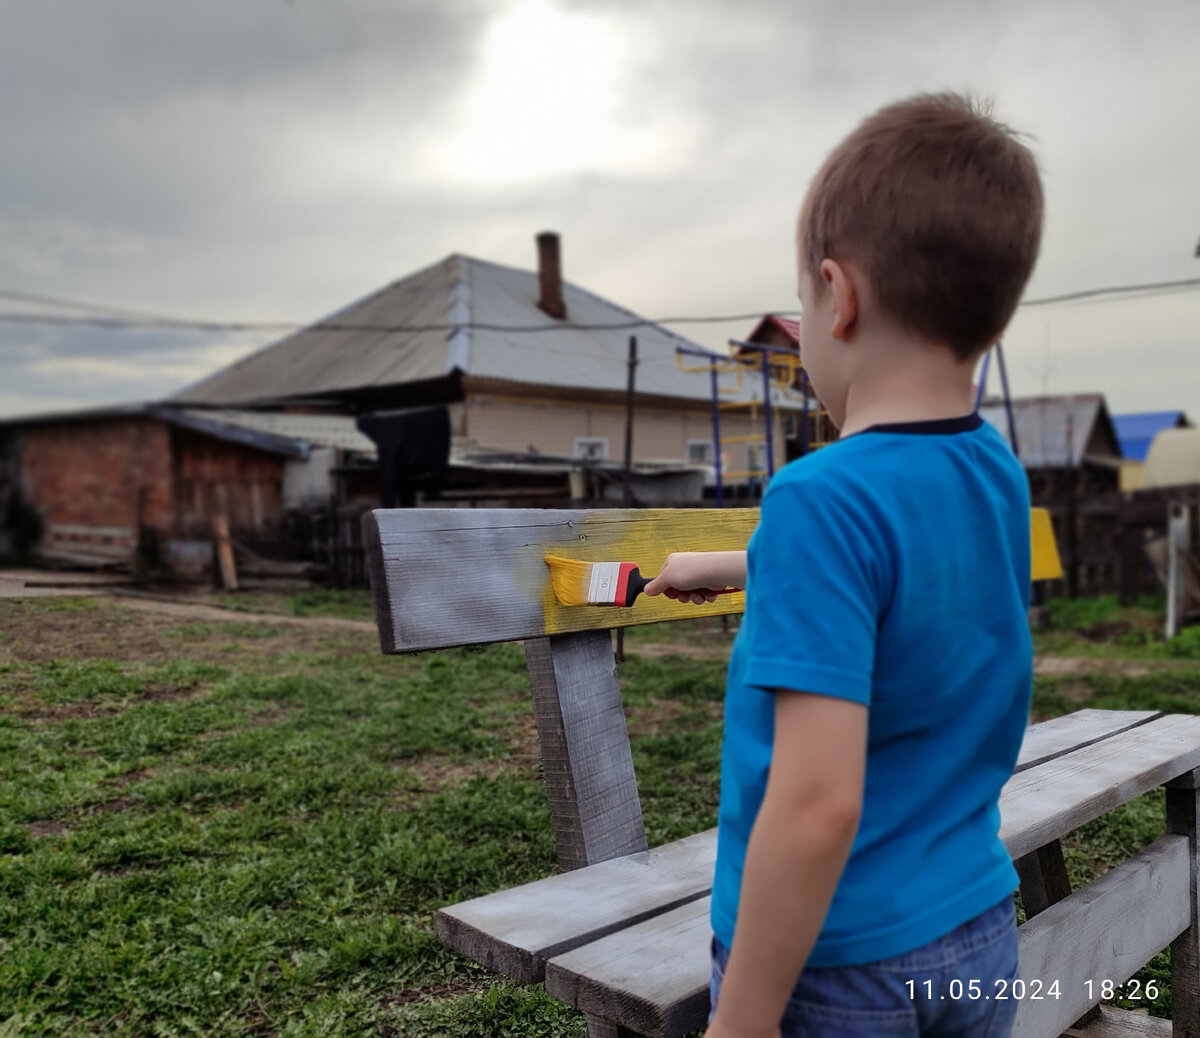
{"type": "Point", "coordinates": [756, 457]}
{"type": "Point", "coordinates": [591, 448]}
{"type": "Point", "coordinates": [700, 452]}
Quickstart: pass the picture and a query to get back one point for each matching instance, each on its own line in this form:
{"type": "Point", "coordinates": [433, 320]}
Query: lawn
{"type": "Point", "coordinates": [244, 828]}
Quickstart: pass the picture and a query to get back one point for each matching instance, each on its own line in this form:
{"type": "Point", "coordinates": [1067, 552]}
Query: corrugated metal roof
{"type": "Point", "coordinates": [1137, 431]}
{"type": "Point", "coordinates": [452, 316]}
{"type": "Point", "coordinates": [1056, 431]}
{"type": "Point", "coordinates": [314, 430]}
{"type": "Point", "coordinates": [789, 327]}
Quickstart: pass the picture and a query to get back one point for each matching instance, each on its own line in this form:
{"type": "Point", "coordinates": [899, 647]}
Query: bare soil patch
{"type": "Point", "coordinates": [44, 829]}
{"type": "Point", "coordinates": [131, 632]}
{"type": "Point", "coordinates": [660, 716]}
{"type": "Point", "coordinates": [1060, 666]}
{"type": "Point", "coordinates": [659, 649]}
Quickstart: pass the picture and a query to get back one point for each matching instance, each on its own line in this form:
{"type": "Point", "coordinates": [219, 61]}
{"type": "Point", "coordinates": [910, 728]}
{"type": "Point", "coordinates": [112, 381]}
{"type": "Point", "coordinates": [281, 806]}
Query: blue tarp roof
{"type": "Point", "coordinates": [1137, 431]}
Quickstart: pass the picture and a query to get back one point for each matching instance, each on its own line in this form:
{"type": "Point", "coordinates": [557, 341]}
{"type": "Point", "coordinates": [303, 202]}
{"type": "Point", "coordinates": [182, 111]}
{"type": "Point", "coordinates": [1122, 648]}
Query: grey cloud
{"type": "Point", "coordinates": [238, 160]}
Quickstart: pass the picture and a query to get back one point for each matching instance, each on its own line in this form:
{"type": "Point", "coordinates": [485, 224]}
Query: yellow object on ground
{"type": "Point", "coordinates": [1046, 563]}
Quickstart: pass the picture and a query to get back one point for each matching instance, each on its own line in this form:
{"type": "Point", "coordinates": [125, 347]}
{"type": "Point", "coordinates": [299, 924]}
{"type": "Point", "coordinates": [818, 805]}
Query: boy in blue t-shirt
{"type": "Point", "coordinates": [879, 686]}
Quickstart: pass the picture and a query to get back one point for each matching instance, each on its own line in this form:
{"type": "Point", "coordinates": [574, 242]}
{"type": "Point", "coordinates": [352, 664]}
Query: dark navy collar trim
{"type": "Point", "coordinates": [934, 427]}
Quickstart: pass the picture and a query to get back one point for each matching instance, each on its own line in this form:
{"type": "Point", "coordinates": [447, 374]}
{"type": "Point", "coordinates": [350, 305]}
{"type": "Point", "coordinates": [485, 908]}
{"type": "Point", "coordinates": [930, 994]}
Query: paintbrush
{"type": "Point", "coordinates": [578, 583]}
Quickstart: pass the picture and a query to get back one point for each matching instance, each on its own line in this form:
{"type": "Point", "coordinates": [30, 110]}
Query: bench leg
{"type": "Point", "coordinates": [588, 765]}
{"type": "Point", "coordinates": [1183, 809]}
{"type": "Point", "coordinates": [1044, 882]}
{"type": "Point", "coordinates": [1044, 879]}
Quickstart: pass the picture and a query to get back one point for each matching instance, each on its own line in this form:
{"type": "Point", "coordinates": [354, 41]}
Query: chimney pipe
{"type": "Point", "coordinates": [550, 275]}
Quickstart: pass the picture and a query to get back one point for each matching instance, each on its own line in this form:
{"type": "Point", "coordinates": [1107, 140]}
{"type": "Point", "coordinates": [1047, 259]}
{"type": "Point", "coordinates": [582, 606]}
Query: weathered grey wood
{"type": "Point", "coordinates": [465, 576]}
{"type": "Point", "coordinates": [1121, 1023]}
{"type": "Point", "coordinates": [597, 1027]}
{"type": "Point", "coordinates": [1047, 802]}
{"type": "Point", "coordinates": [1049, 739]}
{"type": "Point", "coordinates": [651, 978]}
{"type": "Point", "coordinates": [1044, 879]}
{"type": "Point", "coordinates": [586, 757]}
{"type": "Point", "coordinates": [1108, 929]}
{"type": "Point", "coordinates": [1183, 814]}
{"type": "Point", "coordinates": [513, 932]}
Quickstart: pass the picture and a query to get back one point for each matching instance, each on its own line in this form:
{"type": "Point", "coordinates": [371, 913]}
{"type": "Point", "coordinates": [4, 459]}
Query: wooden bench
{"type": "Point", "coordinates": [622, 933]}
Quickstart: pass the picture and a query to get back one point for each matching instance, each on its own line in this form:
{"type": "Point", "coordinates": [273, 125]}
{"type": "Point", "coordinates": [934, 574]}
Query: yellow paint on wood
{"type": "Point", "coordinates": [647, 537]}
{"type": "Point", "coordinates": [1046, 563]}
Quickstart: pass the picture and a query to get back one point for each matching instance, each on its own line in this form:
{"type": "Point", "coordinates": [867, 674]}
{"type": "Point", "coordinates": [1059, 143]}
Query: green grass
{"type": "Point", "coordinates": [245, 829]}
{"type": "Point", "coordinates": [1101, 627]}
{"type": "Point", "coordinates": [336, 603]}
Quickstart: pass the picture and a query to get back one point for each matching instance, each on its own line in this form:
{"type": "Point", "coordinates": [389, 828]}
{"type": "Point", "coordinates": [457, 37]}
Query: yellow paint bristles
{"type": "Point", "coordinates": [570, 579]}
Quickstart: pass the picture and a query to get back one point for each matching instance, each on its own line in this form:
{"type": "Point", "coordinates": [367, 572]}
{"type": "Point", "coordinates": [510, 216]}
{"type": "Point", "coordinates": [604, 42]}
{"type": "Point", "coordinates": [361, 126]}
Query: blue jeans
{"type": "Point", "coordinates": [924, 993]}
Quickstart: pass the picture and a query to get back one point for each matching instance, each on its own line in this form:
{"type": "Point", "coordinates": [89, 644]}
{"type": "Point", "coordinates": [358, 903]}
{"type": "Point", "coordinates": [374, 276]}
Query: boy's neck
{"type": "Point", "coordinates": [908, 382]}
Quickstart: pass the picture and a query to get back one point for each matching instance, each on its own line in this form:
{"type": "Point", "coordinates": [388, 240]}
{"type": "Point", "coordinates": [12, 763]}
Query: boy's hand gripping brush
{"type": "Point", "coordinates": [599, 583]}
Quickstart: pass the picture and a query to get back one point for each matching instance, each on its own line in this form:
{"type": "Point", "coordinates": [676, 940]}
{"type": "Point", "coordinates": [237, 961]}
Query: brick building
{"type": "Point", "coordinates": [108, 482]}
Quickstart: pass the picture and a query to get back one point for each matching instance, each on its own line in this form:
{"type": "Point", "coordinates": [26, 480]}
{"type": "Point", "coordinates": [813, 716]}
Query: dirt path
{"type": "Point", "coordinates": [22, 583]}
{"type": "Point", "coordinates": [1043, 666]}
{"type": "Point", "coordinates": [185, 610]}
{"type": "Point", "coordinates": [1060, 666]}
{"type": "Point", "coordinates": [18, 583]}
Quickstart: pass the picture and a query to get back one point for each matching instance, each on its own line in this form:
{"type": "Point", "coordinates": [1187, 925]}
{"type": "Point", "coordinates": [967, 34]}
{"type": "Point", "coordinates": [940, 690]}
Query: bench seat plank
{"type": "Point", "coordinates": [1046, 802]}
{"type": "Point", "coordinates": [1106, 930]}
{"type": "Point", "coordinates": [514, 932]}
{"type": "Point", "coordinates": [1048, 739]}
{"type": "Point", "coordinates": [651, 978]}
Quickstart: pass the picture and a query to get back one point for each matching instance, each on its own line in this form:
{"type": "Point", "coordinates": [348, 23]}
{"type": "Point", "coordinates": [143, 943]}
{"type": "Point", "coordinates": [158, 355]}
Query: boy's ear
{"type": "Point", "coordinates": [839, 281]}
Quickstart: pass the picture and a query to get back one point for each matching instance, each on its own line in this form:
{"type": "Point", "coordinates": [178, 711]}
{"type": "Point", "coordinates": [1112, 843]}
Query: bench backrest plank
{"type": "Point", "coordinates": [467, 576]}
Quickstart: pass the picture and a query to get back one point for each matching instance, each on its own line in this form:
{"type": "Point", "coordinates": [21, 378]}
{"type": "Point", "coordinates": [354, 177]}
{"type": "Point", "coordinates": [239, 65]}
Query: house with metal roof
{"type": "Point", "coordinates": [525, 362]}
{"type": "Point", "coordinates": [1137, 430]}
{"type": "Point", "coordinates": [527, 375]}
{"type": "Point", "coordinates": [1057, 432]}
{"type": "Point", "coordinates": [1072, 456]}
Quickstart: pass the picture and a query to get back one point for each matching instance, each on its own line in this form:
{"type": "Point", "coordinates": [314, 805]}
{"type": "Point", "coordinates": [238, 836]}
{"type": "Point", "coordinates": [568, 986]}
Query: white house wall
{"type": "Point", "coordinates": [552, 427]}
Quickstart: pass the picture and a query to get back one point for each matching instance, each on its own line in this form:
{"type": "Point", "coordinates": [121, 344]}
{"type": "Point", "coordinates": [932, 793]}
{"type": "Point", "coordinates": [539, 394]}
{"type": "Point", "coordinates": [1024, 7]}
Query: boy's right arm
{"type": "Point", "coordinates": [696, 576]}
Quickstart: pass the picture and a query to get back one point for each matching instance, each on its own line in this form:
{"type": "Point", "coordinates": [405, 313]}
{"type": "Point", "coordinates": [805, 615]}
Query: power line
{"type": "Point", "coordinates": [75, 304]}
{"type": "Point", "coordinates": [123, 319]}
{"type": "Point", "coordinates": [1150, 288]}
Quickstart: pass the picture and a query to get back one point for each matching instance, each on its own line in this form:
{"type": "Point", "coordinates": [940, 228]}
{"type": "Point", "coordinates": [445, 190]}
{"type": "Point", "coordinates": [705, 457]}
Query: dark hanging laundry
{"type": "Point", "coordinates": [414, 452]}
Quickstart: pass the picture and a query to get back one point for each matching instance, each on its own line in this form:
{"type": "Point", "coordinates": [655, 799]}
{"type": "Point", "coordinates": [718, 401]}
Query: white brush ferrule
{"type": "Point", "coordinates": [602, 588]}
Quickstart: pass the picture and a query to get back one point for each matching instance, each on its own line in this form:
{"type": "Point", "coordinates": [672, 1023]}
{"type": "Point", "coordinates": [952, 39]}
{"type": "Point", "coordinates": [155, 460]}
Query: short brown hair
{"type": "Point", "coordinates": [940, 206]}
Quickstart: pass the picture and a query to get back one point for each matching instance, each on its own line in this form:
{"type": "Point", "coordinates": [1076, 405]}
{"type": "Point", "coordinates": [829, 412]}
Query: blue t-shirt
{"type": "Point", "coordinates": [891, 569]}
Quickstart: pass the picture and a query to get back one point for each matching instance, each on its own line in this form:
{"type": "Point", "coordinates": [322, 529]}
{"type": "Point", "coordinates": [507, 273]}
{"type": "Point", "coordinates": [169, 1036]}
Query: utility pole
{"type": "Point", "coordinates": [628, 495]}
{"type": "Point", "coordinates": [629, 422]}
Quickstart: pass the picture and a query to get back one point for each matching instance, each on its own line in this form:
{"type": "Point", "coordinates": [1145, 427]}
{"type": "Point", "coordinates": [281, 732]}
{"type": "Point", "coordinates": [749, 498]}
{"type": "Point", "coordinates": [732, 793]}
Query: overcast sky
{"type": "Point", "coordinates": [274, 160]}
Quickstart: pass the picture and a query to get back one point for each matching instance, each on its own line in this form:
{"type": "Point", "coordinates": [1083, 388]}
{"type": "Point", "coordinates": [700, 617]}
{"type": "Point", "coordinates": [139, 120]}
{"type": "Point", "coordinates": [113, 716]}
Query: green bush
{"type": "Point", "coordinates": [1186, 644]}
